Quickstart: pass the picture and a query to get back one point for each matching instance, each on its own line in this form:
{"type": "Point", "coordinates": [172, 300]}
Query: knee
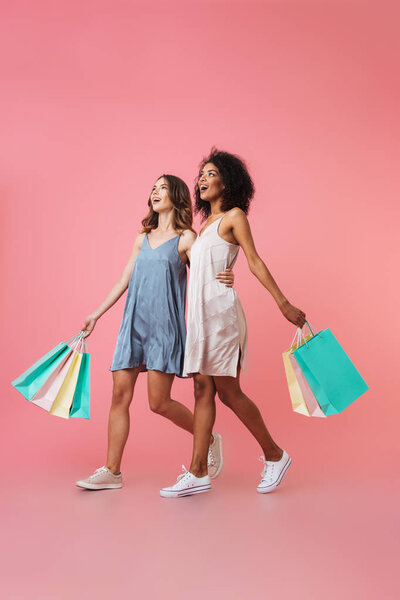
{"type": "Point", "coordinates": [225, 398]}
{"type": "Point", "coordinates": [158, 405]}
{"type": "Point", "coordinates": [121, 397]}
{"type": "Point", "coordinates": [203, 391]}
{"type": "Point", "coordinates": [222, 395]}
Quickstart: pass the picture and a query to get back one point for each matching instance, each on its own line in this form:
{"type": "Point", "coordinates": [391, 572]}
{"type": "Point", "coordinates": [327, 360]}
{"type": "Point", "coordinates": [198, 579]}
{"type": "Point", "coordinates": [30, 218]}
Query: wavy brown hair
{"type": "Point", "coordinates": [180, 197]}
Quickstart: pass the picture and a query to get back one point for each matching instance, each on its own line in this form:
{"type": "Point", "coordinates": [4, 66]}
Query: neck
{"type": "Point", "coordinates": [166, 221]}
{"type": "Point", "coordinates": [215, 207]}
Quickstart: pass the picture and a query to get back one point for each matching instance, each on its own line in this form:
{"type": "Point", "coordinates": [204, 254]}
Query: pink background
{"type": "Point", "coordinates": [98, 99]}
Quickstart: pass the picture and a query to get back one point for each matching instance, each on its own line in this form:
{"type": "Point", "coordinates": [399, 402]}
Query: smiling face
{"type": "Point", "coordinates": [160, 198]}
{"type": "Point", "coordinates": [210, 183]}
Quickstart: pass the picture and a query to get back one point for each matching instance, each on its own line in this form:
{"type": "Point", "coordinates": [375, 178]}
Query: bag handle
{"type": "Point", "coordinates": [297, 340]}
{"type": "Point", "coordinates": [299, 337]}
{"type": "Point", "coordinates": [78, 342]}
{"type": "Point", "coordinates": [74, 337]}
{"type": "Point", "coordinates": [82, 344]}
{"type": "Point", "coordinates": [296, 335]}
{"type": "Point", "coordinates": [311, 329]}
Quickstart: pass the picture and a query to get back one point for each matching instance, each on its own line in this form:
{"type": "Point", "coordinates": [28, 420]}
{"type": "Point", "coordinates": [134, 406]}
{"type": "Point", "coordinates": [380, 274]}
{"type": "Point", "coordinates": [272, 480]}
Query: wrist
{"type": "Point", "coordinates": [282, 303]}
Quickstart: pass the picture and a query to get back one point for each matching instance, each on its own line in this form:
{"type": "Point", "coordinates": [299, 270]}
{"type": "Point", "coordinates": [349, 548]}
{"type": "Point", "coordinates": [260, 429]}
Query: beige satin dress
{"type": "Point", "coordinates": [216, 324]}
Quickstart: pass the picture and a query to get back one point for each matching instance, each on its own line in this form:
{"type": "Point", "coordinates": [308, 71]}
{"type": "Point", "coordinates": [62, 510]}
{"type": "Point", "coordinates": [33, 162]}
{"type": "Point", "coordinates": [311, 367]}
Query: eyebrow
{"type": "Point", "coordinates": [208, 171]}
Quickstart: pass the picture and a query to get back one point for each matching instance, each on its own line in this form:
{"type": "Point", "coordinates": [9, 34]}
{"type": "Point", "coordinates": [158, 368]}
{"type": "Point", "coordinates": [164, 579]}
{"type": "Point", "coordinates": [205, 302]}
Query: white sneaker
{"type": "Point", "coordinates": [102, 479]}
{"type": "Point", "coordinates": [186, 485]}
{"type": "Point", "coordinates": [215, 459]}
{"type": "Point", "coordinates": [273, 473]}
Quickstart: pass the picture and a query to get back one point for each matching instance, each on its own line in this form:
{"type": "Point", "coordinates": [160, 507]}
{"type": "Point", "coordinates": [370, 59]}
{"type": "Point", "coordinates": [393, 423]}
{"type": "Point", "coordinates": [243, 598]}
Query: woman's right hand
{"type": "Point", "coordinates": [88, 325]}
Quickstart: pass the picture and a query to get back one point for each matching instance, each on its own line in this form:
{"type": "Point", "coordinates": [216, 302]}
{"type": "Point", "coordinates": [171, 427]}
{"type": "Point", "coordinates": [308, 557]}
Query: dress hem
{"type": "Point", "coordinates": [144, 369]}
{"type": "Point", "coordinates": [191, 373]}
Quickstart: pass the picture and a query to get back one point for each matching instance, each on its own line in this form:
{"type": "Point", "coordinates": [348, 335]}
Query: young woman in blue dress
{"type": "Point", "coordinates": [153, 333]}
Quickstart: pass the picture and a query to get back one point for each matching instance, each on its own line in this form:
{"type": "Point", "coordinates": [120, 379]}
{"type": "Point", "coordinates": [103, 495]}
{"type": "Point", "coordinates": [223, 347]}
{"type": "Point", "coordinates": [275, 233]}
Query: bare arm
{"type": "Point", "coordinates": [116, 292]}
{"type": "Point", "coordinates": [241, 231]}
{"type": "Point", "coordinates": [185, 244]}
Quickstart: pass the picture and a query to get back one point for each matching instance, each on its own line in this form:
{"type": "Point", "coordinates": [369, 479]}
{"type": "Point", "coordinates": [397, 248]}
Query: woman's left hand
{"type": "Point", "coordinates": [227, 277]}
{"type": "Point", "coordinates": [293, 314]}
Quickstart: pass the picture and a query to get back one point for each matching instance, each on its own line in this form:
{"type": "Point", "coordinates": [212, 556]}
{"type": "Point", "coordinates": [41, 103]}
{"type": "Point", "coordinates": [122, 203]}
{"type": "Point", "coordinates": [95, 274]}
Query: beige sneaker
{"type": "Point", "coordinates": [102, 479]}
{"type": "Point", "coordinates": [215, 459]}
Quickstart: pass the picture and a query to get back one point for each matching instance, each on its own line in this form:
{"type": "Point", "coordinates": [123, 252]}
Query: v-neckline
{"type": "Point", "coordinates": [208, 226]}
{"type": "Point", "coordinates": [159, 246]}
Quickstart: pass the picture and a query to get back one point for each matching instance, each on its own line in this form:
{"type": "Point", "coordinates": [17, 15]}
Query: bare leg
{"type": "Point", "coordinates": [159, 391]}
{"type": "Point", "coordinates": [231, 395]}
{"type": "Point", "coordinates": [204, 417]}
{"type": "Point", "coordinates": [118, 421]}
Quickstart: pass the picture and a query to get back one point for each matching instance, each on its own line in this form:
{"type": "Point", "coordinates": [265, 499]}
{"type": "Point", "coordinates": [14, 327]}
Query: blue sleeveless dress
{"type": "Point", "coordinates": [153, 331]}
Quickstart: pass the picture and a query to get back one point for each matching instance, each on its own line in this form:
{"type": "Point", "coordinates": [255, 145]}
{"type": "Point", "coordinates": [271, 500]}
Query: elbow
{"type": "Point", "coordinates": [255, 264]}
{"type": "Point", "coordinates": [123, 284]}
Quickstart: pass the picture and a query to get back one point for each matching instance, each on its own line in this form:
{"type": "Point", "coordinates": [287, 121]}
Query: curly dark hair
{"type": "Point", "coordinates": [239, 187]}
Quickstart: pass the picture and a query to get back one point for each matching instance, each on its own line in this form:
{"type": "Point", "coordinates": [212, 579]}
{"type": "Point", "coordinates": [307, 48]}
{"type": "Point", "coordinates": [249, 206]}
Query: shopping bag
{"type": "Point", "coordinates": [332, 377]}
{"type": "Point", "coordinates": [63, 401]}
{"type": "Point", "coordinates": [46, 395]}
{"type": "Point", "coordinates": [298, 403]}
{"type": "Point", "coordinates": [33, 378]}
{"type": "Point", "coordinates": [311, 402]}
{"type": "Point", "coordinates": [81, 401]}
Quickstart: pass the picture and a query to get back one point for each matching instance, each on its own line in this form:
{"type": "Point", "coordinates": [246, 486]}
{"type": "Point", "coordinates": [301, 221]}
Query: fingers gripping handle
{"type": "Point", "coordinates": [78, 342]}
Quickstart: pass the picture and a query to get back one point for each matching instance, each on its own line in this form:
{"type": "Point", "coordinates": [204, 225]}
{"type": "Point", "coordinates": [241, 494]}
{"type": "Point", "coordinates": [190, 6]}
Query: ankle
{"type": "Point", "coordinates": [198, 469]}
{"type": "Point", "coordinates": [114, 470]}
{"type": "Point", "coordinates": [273, 455]}
{"type": "Point", "coordinates": [199, 472]}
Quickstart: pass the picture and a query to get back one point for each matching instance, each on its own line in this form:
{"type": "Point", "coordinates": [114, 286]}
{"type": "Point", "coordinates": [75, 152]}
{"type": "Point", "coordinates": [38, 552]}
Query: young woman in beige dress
{"type": "Point", "coordinates": [216, 326]}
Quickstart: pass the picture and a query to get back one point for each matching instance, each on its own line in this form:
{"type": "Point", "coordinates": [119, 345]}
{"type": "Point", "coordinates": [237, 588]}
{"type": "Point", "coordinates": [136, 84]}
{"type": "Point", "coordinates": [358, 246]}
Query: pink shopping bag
{"type": "Point", "coordinates": [46, 395]}
{"type": "Point", "coordinates": [313, 407]}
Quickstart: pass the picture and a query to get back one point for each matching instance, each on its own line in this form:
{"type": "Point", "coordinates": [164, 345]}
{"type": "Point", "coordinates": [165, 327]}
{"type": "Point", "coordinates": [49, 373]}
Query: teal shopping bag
{"type": "Point", "coordinates": [81, 401]}
{"type": "Point", "coordinates": [334, 380]}
{"type": "Point", "coordinates": [33, 378]}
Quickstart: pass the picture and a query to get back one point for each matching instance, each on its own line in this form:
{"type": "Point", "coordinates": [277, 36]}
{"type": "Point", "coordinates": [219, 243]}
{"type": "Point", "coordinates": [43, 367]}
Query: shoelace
{"type": "Point", "coordinates": [182, 475]}
{"type": "Point", "coordinates": [98, 472]}
{"type": "Point", "coordinates": [211, 458]}
{"type": "Point", "coordinates": [268, 469]}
